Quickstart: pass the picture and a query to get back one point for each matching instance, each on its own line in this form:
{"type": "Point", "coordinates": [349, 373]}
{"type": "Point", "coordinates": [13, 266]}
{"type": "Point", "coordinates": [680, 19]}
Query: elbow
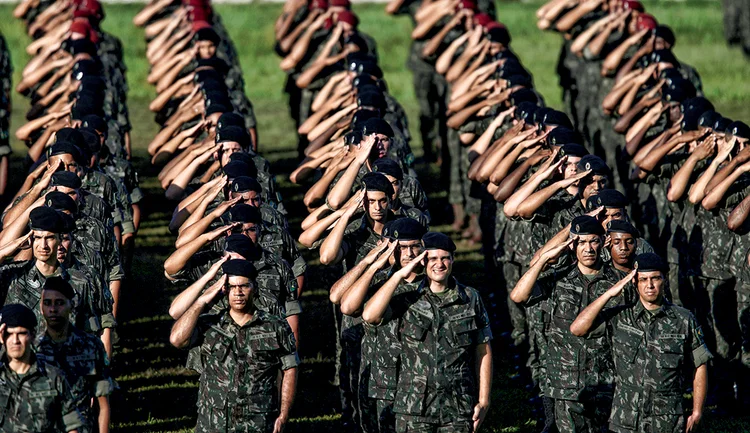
{"type": "Point", "coordinates": [326, 258]}
{"type": "Point", "coordinates": [334, 297]}
{"type": "Point", "coordinates": [177, 342]}
{"type": "Point", "coordinates": [577, 330]}
{"type": "Point", "coordinates": [349, 309]}
{"type": "Point", "coordinates": [516, 297]}
{"type": "Point", "coordinates": [672, 195]}
{"type": "Point", "coordinates": [368, 317]}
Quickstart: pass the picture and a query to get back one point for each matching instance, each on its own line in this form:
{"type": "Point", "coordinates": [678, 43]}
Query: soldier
{"type": "Point", "coordinates": [31, 388]}
{"type": "Point", "coordinates": [446, 359]}
{"type": "Point", "coordinates": [579, 371]}
{"type": "Point", "coordinates": [654, 344]}
{"type": "Point", "coordinates": [80, 356]}
{"type": "Point", "coordinates": [242, 349]}
{"type": "Point", "coordinates": [6, 73]}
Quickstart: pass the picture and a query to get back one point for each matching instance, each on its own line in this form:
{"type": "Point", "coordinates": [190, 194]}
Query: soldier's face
{"type": "Point", "coordinates": [239, 291]}
{"type": "Point", "coordinates": [376, 204]}
{"type": "Point", "coordinates": [251, 198]}
{"type": "Point", "coordinates": [612, 215]}
{"type": "Point", "coordinates": [587, 249]}
{"type": "Point", "coordinates": [64, 247]}
{"type": "Point", "coordinates": [227, 149]}
{"type": "Point", "coordinates": [56, 309]}
{"type": "Point", "coordinates": [570, 168]}
{"type": "Point", "coordinates": [438, 265]}
{"type": "Point", "coordinates": [396, 185]}
{"type": "Point", "coordinates": [206, 49]}
{"type": "Point", "coordinates": [622, 248]}
{"type": "Point", "coordinates": [650, 285]}
{"type": "Point", "coordinates": [72, 192]}
{"type": "Point", "coordinates": [45, 245]}
{"type": "Point", "coordinates": [17, 342]}
{"type": "Point", "coordinates": [596, 184]}
{"type": "Point", "coordinates": [250, 230]}
{"type": "Point", "coordinates": [408, 251]}
{"type": "Point", "coordinates": [382, 145]}
{"type": "Point", "coordinates": [67, 162]}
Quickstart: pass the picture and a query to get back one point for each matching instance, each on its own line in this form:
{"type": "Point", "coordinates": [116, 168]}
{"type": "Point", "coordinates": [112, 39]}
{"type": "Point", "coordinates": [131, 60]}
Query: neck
{"type": "Point", "coordinates": [58, 335]}
{"type": "Point", "coordinates": [585, 270]}
{"type": "Point", "coordinates": [651, 306]}
{"type": "Point", "coordinates": [377, 226]}
{"type": "Point", "coordinates": [411, 277]}
{"type": "Point", "coordinates": [624, 268]}
{"type": "Point", "coordinates": [572, 190]}
{"type": "Point", "coordinates": [438, 286]}
{"type": "Point", "coordinates": [48, 267]}
{"type": "Point", "coordinates": [21, 365]}
{"type": "Point", "coordinates": [241, 317]}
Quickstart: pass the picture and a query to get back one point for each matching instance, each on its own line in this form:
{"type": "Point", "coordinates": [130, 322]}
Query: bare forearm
{"type": "Point", "coordinates": [484, 370]}
{"type": "Point", "coordinates": [352, 301]}
{"type": "Point", "coordinates": [187, 297]}
{"type": "Point", "coordinates": [700, 387]}
{"type": "Point", "coordinates": [179, 258]}
{"type": "Point", "coordinates": [378, 304]}
{"type": "Point", "coordinates": [583, 323]}
{"type": "Point", "coordinates": [104, 414]}
{"type": "Point", "coordinates": [183, 328]}
{"type": "Point", "coordinates": [343, 284]}
{"type": "Point", "coordinates": [528, 208]}
{"type": "Point", "coordinates": [288, 391]}
{"type": "Point", "coordinates": [522, 291]}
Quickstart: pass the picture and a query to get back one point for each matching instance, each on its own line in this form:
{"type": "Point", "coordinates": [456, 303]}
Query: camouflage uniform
{"type": "Point", "coordinates": [83, 361]}
{"type": "Point", "coordinates": [437, 382]}
{"type": "Point", "coordinates": [6, 74]}
{"type": "Point", "coordinates": [238, 391]}
{"type": "Point", "coordinates": [652, 350]}
{"type": "Point", "coordinates": [381, 352]}
{"type": "Point", "coordinates": [93, 269]}
{"type": "Point", "coordinates": [38, 401]}
{"type": "Point", "coordinates": [91, 237]}
{"type": "Point", "coordinates": [22, 284]}
{"type": "Point", "coordinates": [107, 189]}
{"type": "Point", "coordinates": [579, 371]}
{"type": "Point", "coordinates": [123, 170]}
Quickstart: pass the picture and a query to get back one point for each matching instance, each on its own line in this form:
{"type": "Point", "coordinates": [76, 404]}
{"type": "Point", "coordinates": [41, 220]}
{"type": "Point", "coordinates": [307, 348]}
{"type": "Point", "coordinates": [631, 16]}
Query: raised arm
{"type": "Point", "coordinates": [354, 298]}
{"type": "Point", "coordinates": [377, 305]}
{"type": "Point", "coordinates": [586, 320]}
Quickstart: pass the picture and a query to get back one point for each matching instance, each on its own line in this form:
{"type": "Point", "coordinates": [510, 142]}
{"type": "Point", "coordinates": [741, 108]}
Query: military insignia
{"type": "Point", "coordinates": [578, 228]}
{"type": "Point", "coordinates": [698, 330]}
{"type": "Point", "coordinates": [235, 187]}
{"type": "Point", "coordinates": [34, 284]}
{"type": "Point", "coordinates": [49, 203]}
{"type": "Point", "coordinates": [588, 166]}
{"type": "Point", "coordinates": [395, 234]}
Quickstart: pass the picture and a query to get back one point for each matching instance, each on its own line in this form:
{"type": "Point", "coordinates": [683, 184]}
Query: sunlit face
{"type": "Point", "coordinates": [396, 185]}
{"type": "Point", "coordinates": [596, 184]}
{"type": "Point", "coordinates": [56, 309]}
{"type": "Point", "coordinates": [570, 168]}
{"type": "Point", "coordinates": [17, 342]}
{"type": "Point", "coordinates": [650, 285]}
{"type": "Point", "coordinates": [44, 245]}
{"type": "Point", "coordinates": [377, 204]}
{"type": "Point", "coordinates": [64, 247]}
{"type": "Point", "coordinates": [622, 248]}
{"type": "Point", "coordinates": [612, 214]}
{"type": "Point", "coordinates": [67, 161]}
{"type": "Point", "coordinates": [206, 49]}
{"type": "Point", "coordinates": [227, 149]}
{"type": "Point", "coordinates": [72, 192]}
{"type": "Point", "coordinates": [240, 293]}
{"type": "Point", "coordinates": [587, 249]}
{"type": "Point", "coordinates": [408, 251]}
{"type": "Point", "coordinates": [251, 198]}
{"type": "Point", "coordinates": [251, 230]}
{"type": "Point", "coordinates": [439, 265]}
{"type": "Point", "coordinates": [382, 145]}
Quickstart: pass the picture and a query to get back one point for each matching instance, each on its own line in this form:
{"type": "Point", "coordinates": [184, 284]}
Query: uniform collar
{"type": "Point", "coordinates": [456, 292]}
{"type": "Point", "coordinates": [665, 309]}
{"type": "Point", "coordinates": [227, 321]}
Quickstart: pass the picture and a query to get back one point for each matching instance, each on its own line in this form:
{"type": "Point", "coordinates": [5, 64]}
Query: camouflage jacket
{"type": "Point", "coordinates": [240, 366]}
{"type": "Point", "coordinates": [106, 188]}
{"type": "Point", "coordinates": [576, 367]}
{"type": "Point", "coordinates": [6, 84]}
{"type": "Point", "coordinates": [92, 268]}
{"type": "Point", "coordinates": [652, 351]}
{"type": "Point", "coordinates": [21, 283]}
{"type": "Point", "coordinates": [123, 170]}
{"type": "Point", "coordinates": [39, 401]}
{"type": "Point", "coordinates": [83, 361]}
{"type": "Point", "coordinates": [439, 334]}
{"type": "Point", "coordinates": [91, 237]}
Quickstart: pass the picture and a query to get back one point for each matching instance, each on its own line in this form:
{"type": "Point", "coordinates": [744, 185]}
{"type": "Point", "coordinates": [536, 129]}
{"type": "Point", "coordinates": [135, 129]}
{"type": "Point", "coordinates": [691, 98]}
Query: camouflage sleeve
{"type": "Point", "coordinates": [71, 418]}
{"type": "Point", "coordinates": [205, 322]}
{"type": "Point", "coordinates": [483, 333]}
{"type": "Point", "coordinates": [700, 352]}
{"type": "Point", "coordinates": [105, 384]}
{"type": "Point", "coordinates": [289, 281]}
{"type": "Point", "coordinates": [299, 265]}
{"type": "Point", "coordinates": [123, 203]}
{"type": "Point", "coordinates": [287, 346]}
{"type": "Point", "coordinates": [113, 257]}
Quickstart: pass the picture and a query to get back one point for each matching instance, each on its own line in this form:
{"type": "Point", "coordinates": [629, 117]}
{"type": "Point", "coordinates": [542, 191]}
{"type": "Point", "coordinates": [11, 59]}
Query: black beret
{"type": "Point", "coordinates": [66, 179]}
{"type": "Point", "coordinates": [66, 147]}
{"type": "Point", "coordinates": [739, 129]}
{"type": "Point", "coordinates": [371, 99]}
{"type": "Point", "coordinates": [81, 46]}
{"type": "Point", "coordinates": [722, 124]}
{"type": "Point", "coordinates": [46, 219]}
{"type": "Point", "coordinates": [593, 163]}
{"type": "Point", "coordinates": [525, 111]}
{"type": "Point", "coordinates": [677, 94]}
{"type": "Point", "coordinates": [214, 108]}
{"type": "Point", "coordinates": [363, 81]}
{"type": "Point", "coordinates": [69, 224]}
{"type": "Point", "coordinates": [572, 149]}
{"type": "Point", "coordinates": [230, 118]}
{"type": "Point", "coordinates": [499, 35]}
{"type": "Point", "coordinates": [86, 68]}
{"type": "Point", "coordinates": [689, 120]}
{"type": "Point", "coordinates": [233, 133]}
{"type": "Point", "coordinates": [708, 119]}
{"type": "Point", "coordinates": [17, 316]}
{"type": "Point", "coordinates": [387, 232]}
{"type": "Point", "coordinates": [215, 63]}
{"type": "Point", "coordinates": [242, 245]}
{"type": "Point", "coordinates": [93, 83]}
{"type": "Point", "coordinates": [207, 75]}
{"type": "Point", "coordinates": [377, 126]}
{"type": "Point", "coordinates": [245, 184]}
{"type": "Point", "coordinates": [244, 213]}
{"type": "Point", "coordinates": [664, 56]}
{"type": "Point", "coordinates": [61, 201]}
{"type": "Point", "coordinates": [353, 137]}
{"type": "Point", "coordinates": [586, 225]}
{"type": "Point", "coordinates": [698, 105]}
{"type": "Point", "coordinates": [519, 80]}
{"type": "Point", "coordinates": [207, 34]}
{"type": "Point", "coordinates": [664, 32]}
{"type": "Point", "coordinates": [91, 140]}
{"type": "Point", "coordinates": [558, 118]}
{"type": "Point", "coordinates": [240, 268]}
{"type": "Point", "coordinates": [70, 135]}
{"type": "Point", "coordinates": [236, 169]}
{"type": "Point", "coordinates": [648, 262]}
{"type": "Point", "coordinates": [247, 159]}
{"type": "Point", "coordinates": [609, 198]}
{"type": "Point", "coordinates": [361, 117]}
{"type": "Point", "coordinates": [211, 86]}
{"type": "Point", "coordinates": [85, 104]}
{"type": "Point", "coordinates": [95, 122]}
{"type": "Point", "coordinates": [59, 285]}
{"type": "Point", "coordinates": [620, 226]}
{"type": "Point", "coordinates": [369, 68]}
{"type": "Point", "coordinates": [389, 167]}
{"type": "Point", "coordinates": [407, 229]}
{"type": "Point", "coordinates": [523, 95]}
{"type": "Point", "coordinates": [539, 114]}
{"type": "Point", "coordinates": [377, 182]}
{"type": "Point", "coordinates": [438, 241]}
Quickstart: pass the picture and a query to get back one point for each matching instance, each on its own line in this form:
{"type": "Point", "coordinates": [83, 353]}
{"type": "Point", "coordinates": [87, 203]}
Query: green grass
{"type": "Point", "coordinates": [157, 394]}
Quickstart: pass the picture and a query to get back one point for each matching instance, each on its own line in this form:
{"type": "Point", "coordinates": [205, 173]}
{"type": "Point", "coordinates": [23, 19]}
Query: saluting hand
{"type": "Point", "coordinates": [617, 289]}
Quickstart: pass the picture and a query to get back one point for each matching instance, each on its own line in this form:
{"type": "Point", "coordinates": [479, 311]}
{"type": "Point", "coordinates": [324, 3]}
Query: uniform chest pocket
{"type": "Point", "coordinates": [671, 349]}
{"type": "Point", "coordinates": [626, 342]}
{"type": "Point", "coordinates": [270, 283]}
{"type": "Point", "coordinates": [566, 308]}
{"type": "Point", "coordinates": [415, 327]}
{"type": "Point", "coordinates": [264, 342]}
{"type": "Point", "coordinates": [462, 327]}
{"type": "Point", "coordinates": [38, 406]}
{"type": "Point", "coordinates": [4, 401]}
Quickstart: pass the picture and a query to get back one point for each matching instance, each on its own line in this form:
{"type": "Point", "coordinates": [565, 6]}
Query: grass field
{"type": "Point", "coordinates": [157, 394]}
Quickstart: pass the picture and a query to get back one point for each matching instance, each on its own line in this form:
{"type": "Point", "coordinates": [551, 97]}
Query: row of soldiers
{"type": "Point", "coordinates": [69, 231]}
